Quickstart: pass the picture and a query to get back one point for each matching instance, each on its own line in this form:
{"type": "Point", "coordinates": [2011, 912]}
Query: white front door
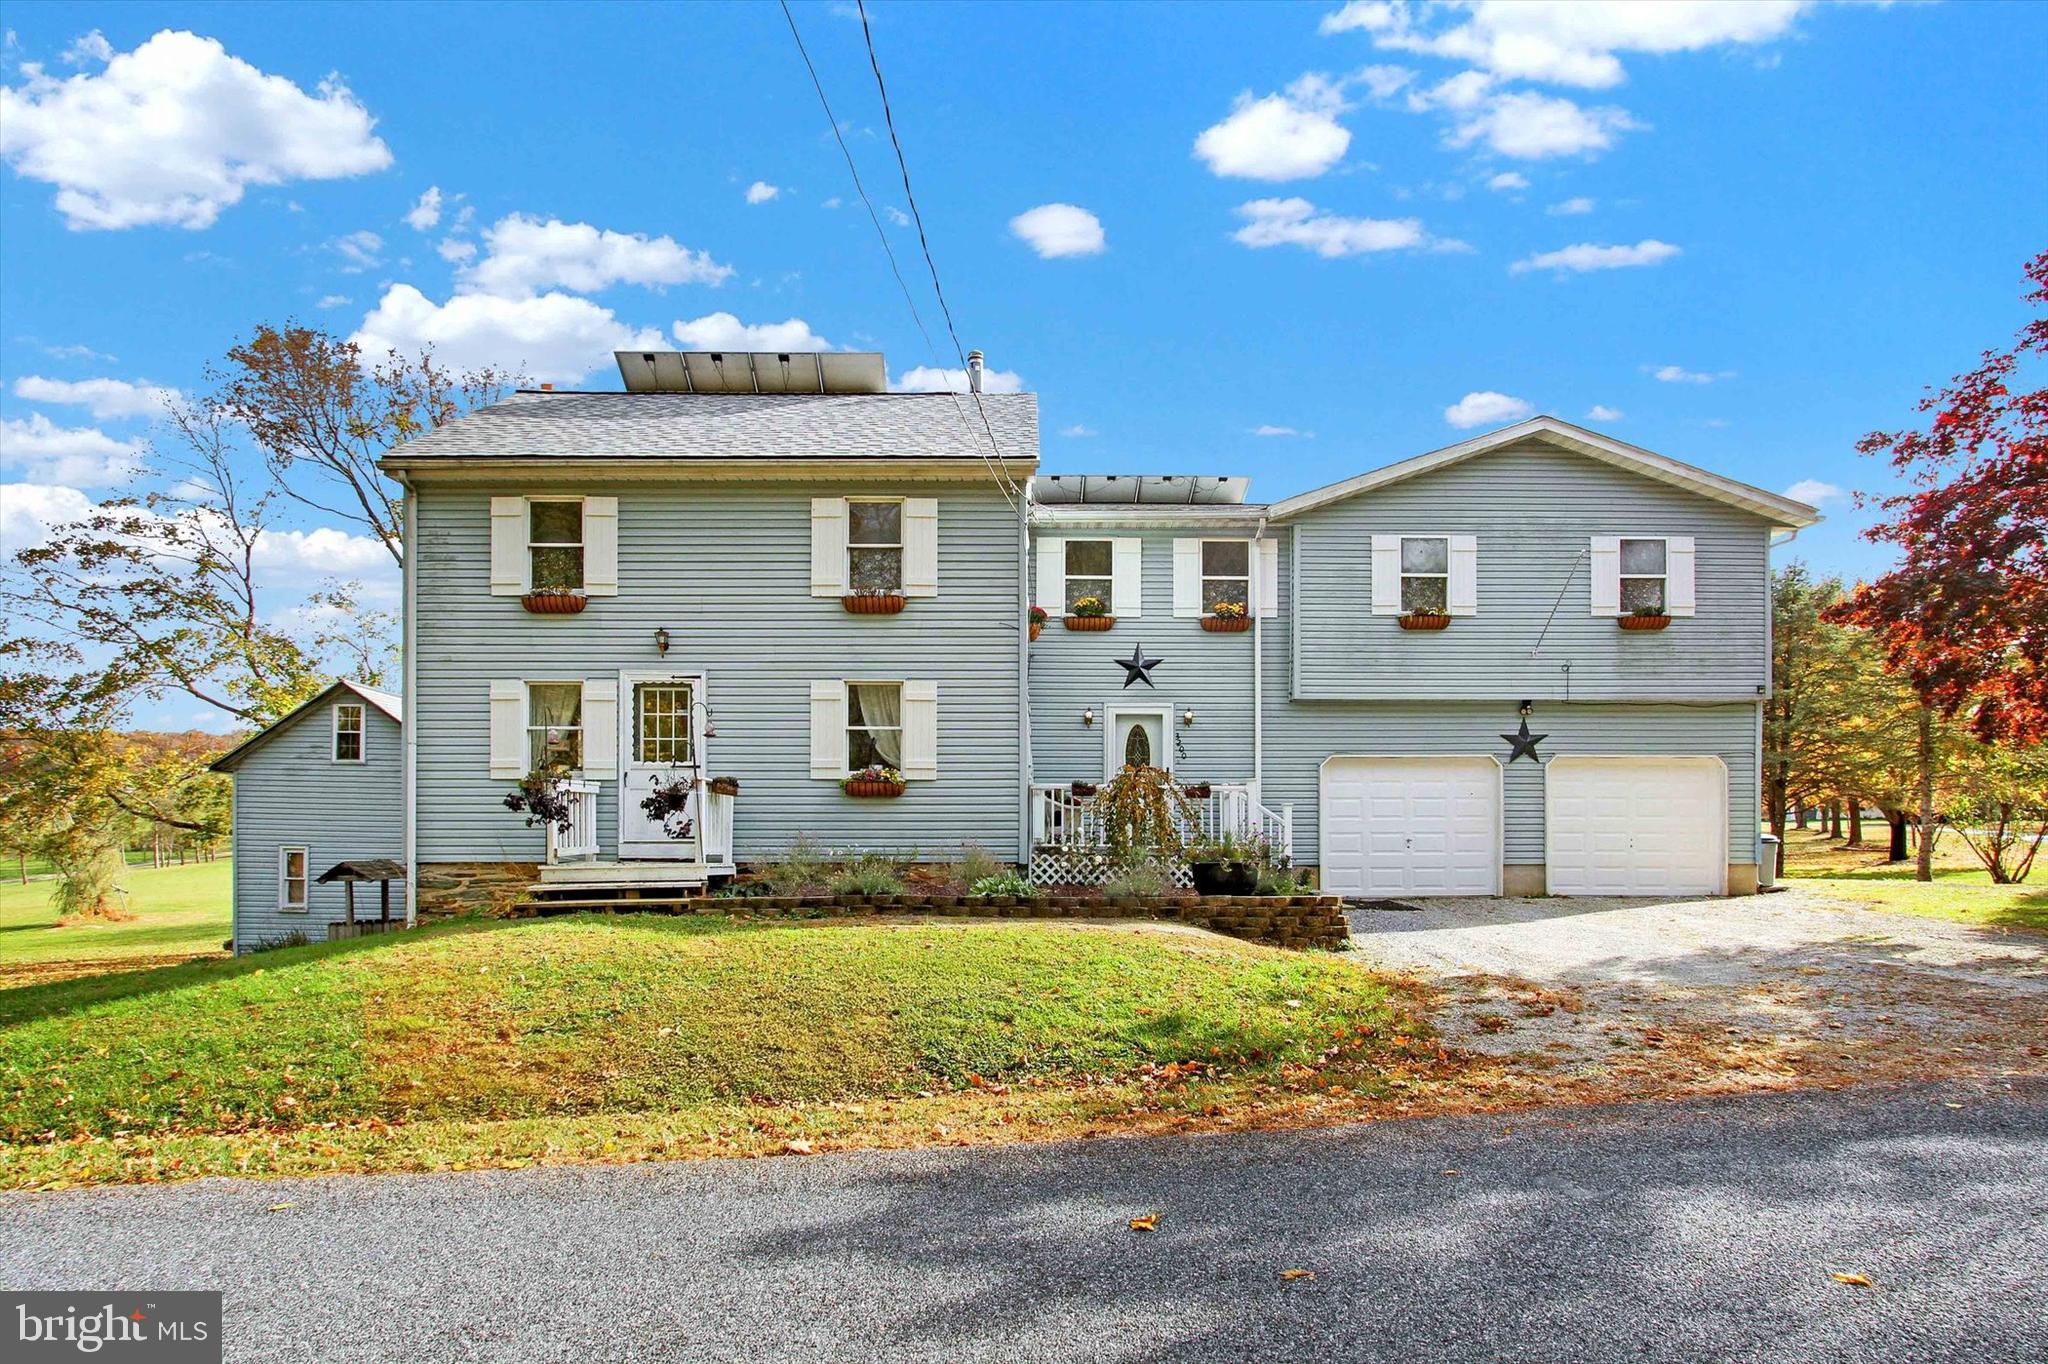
{"type": "Point", "coordinates": [1136, 738]}
{"type": "Point", "coordinates": [1636, 826]}
{"type": "Point", "coordinates": [660, 743]}
{"type": "Point", "coordinates": [1411, 826]}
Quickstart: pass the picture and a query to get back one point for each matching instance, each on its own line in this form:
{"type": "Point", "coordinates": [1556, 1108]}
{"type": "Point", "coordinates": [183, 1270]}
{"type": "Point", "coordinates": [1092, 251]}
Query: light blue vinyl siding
{"type": "Point", "coordinates": [290, 792]}
{"type": "Point", "coordinates": [725, 569]}
{"type": "Point", "coordinates": [1074, 671]}
{"type": "Point", "coordinates": [1533, 510]}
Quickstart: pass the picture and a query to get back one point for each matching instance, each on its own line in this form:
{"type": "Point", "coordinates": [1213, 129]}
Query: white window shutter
{"type": "Point", "coordinates": [1678, 575]}
{"type": "Point", "coordinates": [920, 546]}
{"type": "Point", "coordinates": [828, 729]}
{"type": "Point", "coordinates": [921, 731]}
{"type": "Point", "coordinates": [828, 546]}
{"type": "Point", "coordinates": [1127, 578]}
{"type": "Point", "coordinates": [601, 727]}
{"type": "Point", "coordinates": [1051, 590]}
{"type": "Point", "coordinates": [1607, 575]}
{"type": "Point", "coordinates": [1464, 594]}
{"type": "Point", "coordinates": [508, 546]}
{"type": "Point", "coordinates": [508, 730]}
{"type": "Point", "coordinates": [1386, 575]}
{"type": "Point", "coordinates": [1268, 590]}
{"type": "Point", "coordinates": [1187, 578]}
{"type": "Point", "coordinates": [601, 546]}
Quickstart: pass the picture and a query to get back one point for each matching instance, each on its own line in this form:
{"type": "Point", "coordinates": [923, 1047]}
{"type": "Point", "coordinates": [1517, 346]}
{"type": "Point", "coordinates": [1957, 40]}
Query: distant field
{"type": "Point", "coordinates": [1961, 890]}
{"type": "Point", "coordinates": [179, 912]}
{"type": "Point", "coordinates": [16, 868]}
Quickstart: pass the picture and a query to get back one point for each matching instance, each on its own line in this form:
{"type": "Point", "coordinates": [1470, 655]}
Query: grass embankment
{"type": "Point", "coordinates": [178, 912]}
{"type": "Point", "coordinates": [599, 1038]}
{"type": "Point", "coordinates": [1961, 890]}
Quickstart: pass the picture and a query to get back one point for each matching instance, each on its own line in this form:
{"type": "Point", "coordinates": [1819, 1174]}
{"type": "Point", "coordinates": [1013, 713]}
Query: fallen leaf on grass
{"type": "Point", "coordinates": [1447, 1172]}
{"type": "Point", "coordinates": [1297, 1273]}
{"type": "Point", "coordinates": [1854, 1280]}
{"type": "Point", "coordinates": [277, 1207]}
{"type": "Point", "coordinates": [797, 1147]}
{"type": "Point", "coordinates": [1149, 1222]}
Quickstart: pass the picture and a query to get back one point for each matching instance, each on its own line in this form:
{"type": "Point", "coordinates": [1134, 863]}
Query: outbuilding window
{"type": "Point", "coordinates": [293, 883]}
{"type": "Point", "coordinates": [348, 732]}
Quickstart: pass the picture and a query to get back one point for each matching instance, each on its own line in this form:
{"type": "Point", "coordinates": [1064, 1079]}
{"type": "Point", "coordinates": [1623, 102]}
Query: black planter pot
{"type": "Point", "coordinates": [1224, 878]}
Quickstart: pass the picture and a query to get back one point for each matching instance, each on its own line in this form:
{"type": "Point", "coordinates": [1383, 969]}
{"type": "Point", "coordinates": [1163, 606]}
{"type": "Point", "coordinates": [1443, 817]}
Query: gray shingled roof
{"type": "Point", "coordinates": [735, 426]}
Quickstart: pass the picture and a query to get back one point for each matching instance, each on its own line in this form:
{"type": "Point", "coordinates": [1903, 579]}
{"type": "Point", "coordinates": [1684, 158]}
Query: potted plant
{"type": "Point", "coordinates": [1227, 618]}
{"type": "Point", "coordinates": [542, 799]}
{"type": "Point", "coordinates": [872, 603]}
{"type": "Point", "coordinates": [669, 803]}
{"type": "Point", "coordinates": [555, 601]}
{"type": "Point", "coordinates": [1224, 866]}
{"type": "Point", "coordinates": [1426, 620]}
{"type": "Point", "coordinates": [1084, 788]}
{"type": "Point", "coordinates": [724, 786]}
{"type": "Point", "coordinates": [1644, 618]}
{"type": "Point", "coordinates": [1038, 617]}
{"type": "Point", "coordinates": [1198, 790]}
{"type": "Point", "coordinates": [1089, 613]}
{"type": "Point", "coordinates": [874, 782]}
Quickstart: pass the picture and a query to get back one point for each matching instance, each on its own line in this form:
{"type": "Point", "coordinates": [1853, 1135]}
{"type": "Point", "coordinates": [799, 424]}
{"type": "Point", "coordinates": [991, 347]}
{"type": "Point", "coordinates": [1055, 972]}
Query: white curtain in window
{"type": "Point", "coordinates": [557, 707]}
{"type": "Point", "coordinates": [881, 709]}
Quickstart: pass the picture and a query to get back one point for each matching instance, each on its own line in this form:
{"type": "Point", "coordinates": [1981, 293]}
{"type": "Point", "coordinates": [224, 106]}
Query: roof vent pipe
{"type": "Point", "coordinates": [974, 371]}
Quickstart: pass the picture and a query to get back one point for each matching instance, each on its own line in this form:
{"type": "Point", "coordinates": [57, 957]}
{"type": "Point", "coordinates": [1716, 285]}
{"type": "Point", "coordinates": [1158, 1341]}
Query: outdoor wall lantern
{"type": "Point", "coordinates": [1087, 718]}
{"type": "Point", "coordinates": [1187, 717]}
{"type": "Point", "coordinates": [661, 642]}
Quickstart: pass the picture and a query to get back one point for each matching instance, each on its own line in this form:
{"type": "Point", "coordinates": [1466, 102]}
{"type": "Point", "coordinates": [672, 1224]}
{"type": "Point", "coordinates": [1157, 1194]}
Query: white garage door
{"type": "Point", "coordinates": [1636, 826]}
{"type": "Point", "coordinates": [1411, 826]}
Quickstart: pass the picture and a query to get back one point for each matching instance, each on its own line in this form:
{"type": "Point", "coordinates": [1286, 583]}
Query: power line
{"type": "Point", "coordinates": [924, 245]}
{"type": "Point", "coordinates": [1004, 483]}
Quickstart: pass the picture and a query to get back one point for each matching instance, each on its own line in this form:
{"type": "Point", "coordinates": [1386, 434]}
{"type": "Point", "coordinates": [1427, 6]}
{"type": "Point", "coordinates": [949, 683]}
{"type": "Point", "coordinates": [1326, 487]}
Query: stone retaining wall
{"type": "Point", "coordinates": [490, 888]}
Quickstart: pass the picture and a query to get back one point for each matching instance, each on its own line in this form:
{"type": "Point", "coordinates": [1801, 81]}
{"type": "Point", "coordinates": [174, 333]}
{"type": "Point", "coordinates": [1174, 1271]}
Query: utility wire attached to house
{"type": "Point", "coordinates": [1004, 483]}
{"type": "Point", "coordinates": [1563, 588]}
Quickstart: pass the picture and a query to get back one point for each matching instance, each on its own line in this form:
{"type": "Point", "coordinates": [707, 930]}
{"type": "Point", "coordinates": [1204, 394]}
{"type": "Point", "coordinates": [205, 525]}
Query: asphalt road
{"type": "Point", "coordinates": [1697, 1231]}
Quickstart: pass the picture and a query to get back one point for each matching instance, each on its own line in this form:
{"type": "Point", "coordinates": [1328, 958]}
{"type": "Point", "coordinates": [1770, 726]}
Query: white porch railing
{"type": "Point", "coordinates": [1061, 819]}
{"type": "Point", "coordinates": [716, 827]}
{"type": "Point", "coordinates": [581, 838]}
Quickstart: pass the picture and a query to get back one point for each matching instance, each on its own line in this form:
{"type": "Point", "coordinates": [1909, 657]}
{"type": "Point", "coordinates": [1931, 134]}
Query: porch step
{"type": "Point", "coordinates": [639, 904]}
{"type": "Point", "coordinates": [630, 873]}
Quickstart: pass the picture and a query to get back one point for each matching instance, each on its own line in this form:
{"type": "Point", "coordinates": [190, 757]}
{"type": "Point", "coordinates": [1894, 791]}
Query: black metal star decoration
{"type": "Point", "coordinates": [1138, 668]}
{"type": "Point", "coordinates": [1524, 743]}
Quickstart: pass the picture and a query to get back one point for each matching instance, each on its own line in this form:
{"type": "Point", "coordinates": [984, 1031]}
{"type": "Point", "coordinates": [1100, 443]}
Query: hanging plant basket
{"type": "Point", "coordinates": [1088, 622]}
{"type": "Point", "coordinates": [724, 786]}
{"type": "Point", "coordinates": [1197, 790]}
{"type": "Point", "coordinates": [1643, 622]}
{"type": "Point", "coordinates": [1425, 620]}
{"type": "Point", "coordinates": [1226, 625]}
{"type": "Point", "coordinates": [1037, 626]}
{"type": "Point", "coordinates": [861, 788]}
{"type": "Point", "coordinates": [554, 602]}
{"type": "Point", "coordinates": [872, 603]}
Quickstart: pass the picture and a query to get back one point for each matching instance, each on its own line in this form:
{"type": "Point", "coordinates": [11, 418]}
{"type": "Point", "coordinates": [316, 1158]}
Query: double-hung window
{"type": "Point", "coordinates": [1089, 573]}
{"type": "Point", "coordinates": [874, 547]}
{"type": "Point", "coordinates": [554, 544]}
{"type": "Point", "coordinates": [874, 725]}
{"type": "Point", "coordinates": [1425, 575]}
{"type": "Point", "coordinates": [293, 881]}
{"type": "Point", "coordinates": [348, 732]}
{"type": "Point", "coordinates": [1226, 574]}
{"type": "Point", "coordinates": [1644, 565]}
{"type": "Point", "coordinates": [554, 726]}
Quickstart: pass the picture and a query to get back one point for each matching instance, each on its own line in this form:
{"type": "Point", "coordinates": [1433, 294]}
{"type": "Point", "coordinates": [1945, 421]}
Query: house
{"type": "Point", "coordinates": [322, 785]}
{"type": "Point", "coordinates": [769, 568]}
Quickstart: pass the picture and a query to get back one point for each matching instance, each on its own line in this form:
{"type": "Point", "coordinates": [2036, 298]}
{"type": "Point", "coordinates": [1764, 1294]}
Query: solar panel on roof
{"type": "Point", "coordinates": [673, 371]}
{"type": "Point", "coordinates": [1161, 490]}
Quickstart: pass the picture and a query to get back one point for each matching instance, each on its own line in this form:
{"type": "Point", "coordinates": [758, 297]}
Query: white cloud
{"type": "Point", "coordinates": [1384, 82]}
{"type": "Point", "coordinates": [1289, 136]}
{"type": "Point", "coordinates": [362, 250]}
{"type": "Point", "coordinates": [332, 301]}
{"type": "Point", "coordinates": [760, 192]}
{"type": "Point", "coordinates": [1677, 374]}
{"type": "Point", "coordinates": [1508, 180]}
{"type": "Point", "coordinates": [1296, 222]}
{"type": "Point", "coordinates": [425, 215]}
{"type": "Point", "coordinates": [456, 250]}
{"type": "Point", "coordinates": [1055, 230]}
{"type": "Point", "coordinates": [524, 255]}
{"type": "Point", "coordinates": [175, 131]}
{"type": "Point", "coordinates": [1601, 412]}
{"type": "Point", "coordinates": [1530, 126]}
{"type": "Point", "coordinates": [834, 202]}
{"type": "Point", "coordinates": [895, 215]}
{"type": "Point", "coordinates": [75, 353]}
{"type": "Point", "coordinates": [29, 510]}
{"type": "Point", "coordinates": [1565, 42]}
{"type": "Point", "coordinates": [553, 338]}
{"type": "Point", "coordinates": [1078, 431]}
{"type": "Point", "coordinates": [1571, 207]}
{"type": "Point", "coordinates": [925, 379]}
{"type": "Point", "coordinates": [322, 551]}
{"type": "Point", "coordinates": [1812, 491]}
{"type": "Point", "coordinates": [1271, 431]}
{"type": "Point", "coordinates": [1586, 256]}
{"type": "Point", "coordinates": [106, 399]}
{"type": "Point", "coordinates": [723, 331]}
{"type": "Point", "coordinates": [39, 451]}
{"type": "Point", "coordinates": [1486, 408]}
{"type": "Point", "coordinates": [1466, 90]}
{"type": "Point", "coordinates": [92, 47]}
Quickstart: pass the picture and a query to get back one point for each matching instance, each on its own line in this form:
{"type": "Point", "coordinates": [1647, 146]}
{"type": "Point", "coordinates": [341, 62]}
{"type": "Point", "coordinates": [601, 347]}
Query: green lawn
{"type": "Point", "coordinates": [496, 1043]}
{"type": "Point", "coordinates": [1961, 890]}
{"type": "Point", "coordinates": [179, 912]}
{"type": "Point", "coordinates": [40, 866]}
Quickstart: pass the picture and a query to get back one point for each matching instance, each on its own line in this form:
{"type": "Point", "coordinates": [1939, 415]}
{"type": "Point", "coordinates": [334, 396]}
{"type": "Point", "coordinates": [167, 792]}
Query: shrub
{"type": "Point", "coordinates": [86, 872]}
{"type": "Point", "coordinates": [803, 868]}
{"type": "Point", "coordinates": [1283, 883]}
{"type": "Point", "coordinates": [1143, 811]}
{"type": "Point", "coordinates": [1004, 883]}
{"type": "Point", "coordinates": [868, 874]}
{"type": "Point", "coordinates": [296, 938]}
{"type": "Point", "coordinates": [978, 864]}
{"type": "Point", "coordinates": [1138, 878]}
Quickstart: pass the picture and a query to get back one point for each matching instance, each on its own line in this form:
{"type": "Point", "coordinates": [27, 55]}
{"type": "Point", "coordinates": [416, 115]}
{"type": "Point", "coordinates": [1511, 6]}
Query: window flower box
{"type": "Point", "coordinates": [554, 601]}
{"type": "Point", "coordinates": [1089, 613]}
{"type": "Point", "coordinates": [1425, 620]}
{"type": "Point", "coordinates": [1641, 620]}
{"type": "Point", "coordinates": [874, 783]}
{"type": "Point", "coordinates": [1227, 618]}
{"type": "Point", "coordinates": [872, 603]}
{"type": "Point", "coordinates": [724, 786]}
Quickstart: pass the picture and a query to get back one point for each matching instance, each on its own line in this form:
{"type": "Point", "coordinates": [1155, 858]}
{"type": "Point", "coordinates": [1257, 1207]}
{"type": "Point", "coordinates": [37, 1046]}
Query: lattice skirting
{"type": "Point", "coordinates": [1085, 867]}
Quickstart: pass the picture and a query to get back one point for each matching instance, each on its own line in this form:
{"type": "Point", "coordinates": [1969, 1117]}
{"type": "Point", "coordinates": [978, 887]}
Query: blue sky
{"type": "Point", "coordinates": [1753, 232]}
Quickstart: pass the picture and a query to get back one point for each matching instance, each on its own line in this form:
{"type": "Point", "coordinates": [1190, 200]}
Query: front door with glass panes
{"type": "Point", "coordinates": [660, 744]}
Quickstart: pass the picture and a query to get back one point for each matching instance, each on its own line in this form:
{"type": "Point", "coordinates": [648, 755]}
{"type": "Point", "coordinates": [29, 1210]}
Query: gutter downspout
{"type": "Point", "coordinates": [1261, 609]}
{"type": "Point", "coordinates": [409, 702]}
{"type": "Point", "coordinates": [1024, 674]}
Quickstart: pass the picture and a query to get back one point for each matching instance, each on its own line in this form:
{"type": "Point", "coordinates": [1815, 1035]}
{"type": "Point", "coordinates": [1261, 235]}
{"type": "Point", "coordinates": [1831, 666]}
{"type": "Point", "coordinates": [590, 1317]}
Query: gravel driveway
{"type": "Point", "coordinates": [1642, 995]}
